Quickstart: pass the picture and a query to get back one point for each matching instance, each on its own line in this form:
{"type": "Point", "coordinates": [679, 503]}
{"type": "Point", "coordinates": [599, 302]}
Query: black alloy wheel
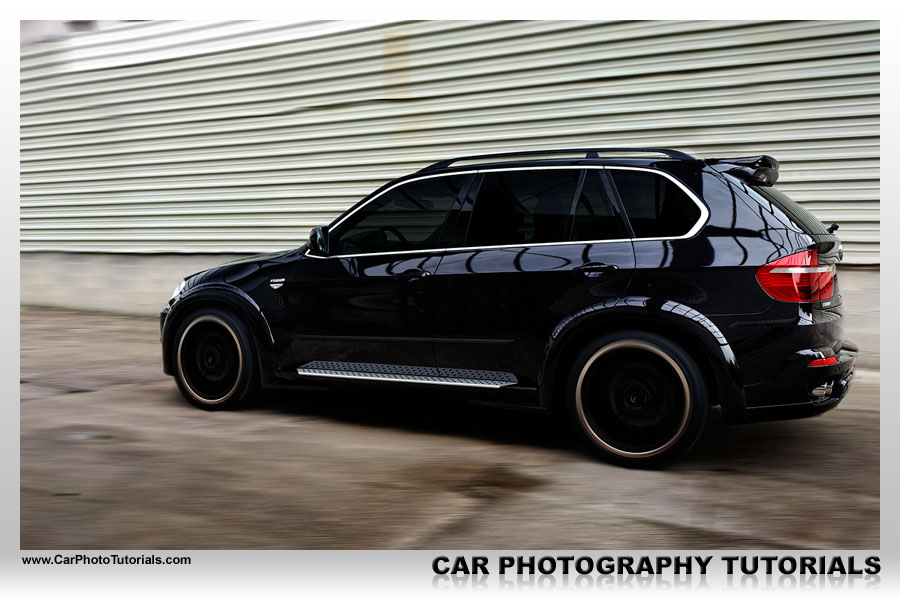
{"type": "Point", "coordinates": [214, 360]}
{"type": "Point", "coordinates": [637, 398]}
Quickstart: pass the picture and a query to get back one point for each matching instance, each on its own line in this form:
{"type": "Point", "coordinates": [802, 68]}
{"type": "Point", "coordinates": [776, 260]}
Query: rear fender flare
{"type": "Point", "coordinates": [644, 312]}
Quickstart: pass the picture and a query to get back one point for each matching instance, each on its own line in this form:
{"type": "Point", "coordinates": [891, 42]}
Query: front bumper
{"type": "Point", "coordinates": [818, 390]}
{"type": "Point", "coordinates": [167, 367]}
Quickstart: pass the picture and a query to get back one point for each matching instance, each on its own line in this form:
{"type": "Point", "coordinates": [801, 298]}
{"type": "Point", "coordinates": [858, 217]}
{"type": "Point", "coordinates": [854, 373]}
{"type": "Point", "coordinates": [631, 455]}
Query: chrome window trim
{"type": "Point", "coordinates": [701, 222]}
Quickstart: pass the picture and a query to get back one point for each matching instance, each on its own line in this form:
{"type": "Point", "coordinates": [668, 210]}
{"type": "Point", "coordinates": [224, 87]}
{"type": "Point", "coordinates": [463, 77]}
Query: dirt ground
{"type": "Point", "coordinates": [112, 457]}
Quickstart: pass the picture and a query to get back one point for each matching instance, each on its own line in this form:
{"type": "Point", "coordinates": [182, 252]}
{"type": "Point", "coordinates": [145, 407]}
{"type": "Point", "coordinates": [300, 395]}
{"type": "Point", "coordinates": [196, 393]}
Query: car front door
{"type": "Point", "coordinates": [541, 244]}
{"type": "Point", "coordinates": [367, 304]}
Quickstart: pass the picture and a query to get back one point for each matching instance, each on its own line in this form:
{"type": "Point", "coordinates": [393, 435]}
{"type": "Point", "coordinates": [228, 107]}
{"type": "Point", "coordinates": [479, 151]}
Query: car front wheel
{"type": "Point", "coordinates": [214, 361]}
{"type": "Point", "coordinates": [637, 398]}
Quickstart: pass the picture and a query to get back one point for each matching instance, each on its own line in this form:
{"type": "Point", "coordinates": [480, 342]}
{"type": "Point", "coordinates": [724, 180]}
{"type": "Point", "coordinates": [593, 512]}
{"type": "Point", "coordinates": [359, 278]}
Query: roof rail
{"type": "Point", "coordinates": [588, 152]}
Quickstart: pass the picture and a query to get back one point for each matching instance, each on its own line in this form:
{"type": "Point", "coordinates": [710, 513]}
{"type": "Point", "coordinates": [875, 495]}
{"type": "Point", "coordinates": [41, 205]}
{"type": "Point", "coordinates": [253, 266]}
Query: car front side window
{"type": "Point", "coordinates": [412, 216]}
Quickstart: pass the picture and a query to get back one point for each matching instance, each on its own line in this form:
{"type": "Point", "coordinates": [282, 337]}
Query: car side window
{"type": "Point", "coordinates": [594, 216]}
{"type": "Point", "coordinates": [412, 216]}
{"type": "Point", "coordinates": [523, 207]}
{"type": "Point", "coordinates": [655, 205]}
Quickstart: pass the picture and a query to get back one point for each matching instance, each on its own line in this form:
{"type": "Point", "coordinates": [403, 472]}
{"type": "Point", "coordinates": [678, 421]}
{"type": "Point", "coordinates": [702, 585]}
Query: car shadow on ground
{"type": "Point", "coordinates": [434, 413]}
{"type": "Point", "coordinates": [725, 448]}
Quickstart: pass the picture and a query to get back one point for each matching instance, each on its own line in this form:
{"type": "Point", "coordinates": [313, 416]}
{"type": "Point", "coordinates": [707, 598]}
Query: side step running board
{"type": "Point", "coordinates": [407, 374]}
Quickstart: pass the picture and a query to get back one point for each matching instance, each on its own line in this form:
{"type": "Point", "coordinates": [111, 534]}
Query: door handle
{"type": "Point", "coordinates": [594, 268]}
{"type": "Point", "coordinates": [416, 273]}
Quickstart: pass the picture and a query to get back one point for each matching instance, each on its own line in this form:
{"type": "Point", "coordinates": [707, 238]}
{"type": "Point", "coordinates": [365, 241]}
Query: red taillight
{"type": "Point", "coordinates": [797, 278]}
{"type": "Point", "coordinates": [822, 362]}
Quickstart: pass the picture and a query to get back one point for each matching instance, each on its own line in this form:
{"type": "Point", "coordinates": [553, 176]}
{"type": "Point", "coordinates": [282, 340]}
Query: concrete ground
{"type": "Point", "coordinates": [112, 457]}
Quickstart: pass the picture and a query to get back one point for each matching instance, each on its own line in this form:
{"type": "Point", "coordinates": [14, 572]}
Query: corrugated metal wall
{"type": "Point", "coordinates": [240, 136]}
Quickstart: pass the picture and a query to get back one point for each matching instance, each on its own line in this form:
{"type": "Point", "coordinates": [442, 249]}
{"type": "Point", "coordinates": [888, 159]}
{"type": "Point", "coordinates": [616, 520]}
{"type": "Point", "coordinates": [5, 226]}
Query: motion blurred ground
{"type": "Point", "coordinates": [112, 457]}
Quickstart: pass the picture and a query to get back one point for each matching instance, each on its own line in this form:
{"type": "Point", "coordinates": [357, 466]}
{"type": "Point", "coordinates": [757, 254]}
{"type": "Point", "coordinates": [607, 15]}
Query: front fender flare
{"type": "Point", "coordinates": [237, 300]}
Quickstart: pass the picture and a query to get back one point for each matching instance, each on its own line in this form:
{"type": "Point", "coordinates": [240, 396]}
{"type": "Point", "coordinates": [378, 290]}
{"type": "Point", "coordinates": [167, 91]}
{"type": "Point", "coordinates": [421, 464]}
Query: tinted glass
{"type": "Point", "coordinates": [414, 216]}
{"type": "Point", "coordinates": [594, 216]}
{"type": "Point", "coordinates": [802, 217]}
{"type": "Point", "coordinates": [656, 207]}
{"type": "Point", "coordinates": [523, 207]}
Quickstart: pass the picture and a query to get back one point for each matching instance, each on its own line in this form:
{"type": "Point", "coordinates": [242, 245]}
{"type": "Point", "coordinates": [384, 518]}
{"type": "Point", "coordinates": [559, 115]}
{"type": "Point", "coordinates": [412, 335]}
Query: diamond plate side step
{"type": "Point", "coordinates": [407, 374]}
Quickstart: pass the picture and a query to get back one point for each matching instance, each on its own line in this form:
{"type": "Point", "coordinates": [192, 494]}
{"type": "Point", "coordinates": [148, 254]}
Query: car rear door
{"type": "Point", "coordinates": [536, 245]}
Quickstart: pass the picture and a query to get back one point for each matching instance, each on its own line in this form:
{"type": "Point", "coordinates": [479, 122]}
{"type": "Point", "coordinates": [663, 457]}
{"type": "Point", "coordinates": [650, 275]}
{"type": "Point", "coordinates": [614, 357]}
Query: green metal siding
{"type": "Point", "coordinates": [240, 136]}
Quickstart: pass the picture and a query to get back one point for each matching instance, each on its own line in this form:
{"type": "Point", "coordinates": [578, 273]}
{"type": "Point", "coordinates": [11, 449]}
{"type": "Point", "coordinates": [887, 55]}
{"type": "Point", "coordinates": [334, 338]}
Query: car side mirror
{"type": "Point", "coordinates": [318, 241]}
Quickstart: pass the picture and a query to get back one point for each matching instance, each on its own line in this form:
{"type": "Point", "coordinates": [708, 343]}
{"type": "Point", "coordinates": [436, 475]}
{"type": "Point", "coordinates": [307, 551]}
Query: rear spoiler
{"type": "Point", "coordinates": [757, 170]}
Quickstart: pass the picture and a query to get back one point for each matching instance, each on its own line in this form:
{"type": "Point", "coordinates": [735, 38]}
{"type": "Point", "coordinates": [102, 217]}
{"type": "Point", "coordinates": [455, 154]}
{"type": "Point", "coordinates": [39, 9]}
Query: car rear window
{"type": "Point", "coordinates": [802, 217]}
{"type": "Point", "coordinates": [655, 205]}
{"type": "Point", "coordinates": [523, 207]}
{"type": "Point", "coordinates": [594, 216]}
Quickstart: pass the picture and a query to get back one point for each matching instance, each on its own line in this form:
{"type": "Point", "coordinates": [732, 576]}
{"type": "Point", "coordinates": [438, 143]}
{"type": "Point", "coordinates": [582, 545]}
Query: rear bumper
{"type": "Point", "coordinates": [817, 390]}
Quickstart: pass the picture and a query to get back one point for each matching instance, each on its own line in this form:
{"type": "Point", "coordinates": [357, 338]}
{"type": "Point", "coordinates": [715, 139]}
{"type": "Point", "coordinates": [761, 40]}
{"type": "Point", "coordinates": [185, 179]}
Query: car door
{"type": "Point", "coordinates": [541, 244]}
{"type": "Point", "coordinates": [369, 300]}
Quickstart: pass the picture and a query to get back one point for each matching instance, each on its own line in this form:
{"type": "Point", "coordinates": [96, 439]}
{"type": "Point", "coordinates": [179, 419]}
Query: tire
{"type": "Point", "coordinates": [637, 399]}
{"type": "Point", "coordinates": [215, 365]}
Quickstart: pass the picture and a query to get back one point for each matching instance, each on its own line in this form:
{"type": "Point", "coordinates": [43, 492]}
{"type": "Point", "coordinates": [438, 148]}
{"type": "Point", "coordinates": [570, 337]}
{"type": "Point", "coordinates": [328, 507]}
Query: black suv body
{"type": "Point", "coordinates": [640, 290]}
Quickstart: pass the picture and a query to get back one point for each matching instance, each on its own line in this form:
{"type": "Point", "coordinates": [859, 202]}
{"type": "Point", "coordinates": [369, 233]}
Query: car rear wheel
{"type": "Point", "coordinates": [214, 363]}
{"type": "Point", "coordinates": [637, 398]}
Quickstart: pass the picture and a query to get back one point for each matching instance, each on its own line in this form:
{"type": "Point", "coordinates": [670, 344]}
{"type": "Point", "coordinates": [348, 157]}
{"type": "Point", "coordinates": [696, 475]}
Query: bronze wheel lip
{"type": "Point", "coordinates": [641, 345]}
{"type": "Point", "coordinates": [240, 361]}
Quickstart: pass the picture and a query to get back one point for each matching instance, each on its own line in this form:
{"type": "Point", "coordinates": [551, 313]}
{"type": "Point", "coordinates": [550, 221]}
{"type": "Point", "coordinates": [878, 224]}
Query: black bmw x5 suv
{"type": "Point", "coordinates": [639, 290]}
